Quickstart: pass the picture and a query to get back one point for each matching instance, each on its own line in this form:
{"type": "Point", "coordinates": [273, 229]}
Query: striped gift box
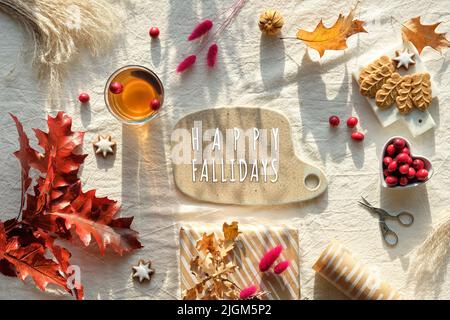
{"type": "Point", "coordinates": [252, 243]}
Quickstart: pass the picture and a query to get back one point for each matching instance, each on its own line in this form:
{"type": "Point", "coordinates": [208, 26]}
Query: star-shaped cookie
{"type": "Point", "coordinates": [404, 59]}
{"type": "Point", "coordinates": [143, 270]}
{"type": "Point", "coordinates": [104, 145]}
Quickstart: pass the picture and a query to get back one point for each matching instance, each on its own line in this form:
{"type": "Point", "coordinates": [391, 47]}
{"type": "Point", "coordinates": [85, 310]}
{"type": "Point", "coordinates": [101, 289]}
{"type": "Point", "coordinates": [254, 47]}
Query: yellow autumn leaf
{"type": "Point", "coordinates": [333, 38]}
{"type": "Point", "coordinates": [424, 35]}
{"type": "Point", "coordinates": [230, 231]}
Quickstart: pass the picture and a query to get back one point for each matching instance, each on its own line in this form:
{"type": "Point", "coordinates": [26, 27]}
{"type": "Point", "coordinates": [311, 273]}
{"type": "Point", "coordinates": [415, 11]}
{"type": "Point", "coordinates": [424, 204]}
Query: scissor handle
{"type": "Point", "coordinates": [389, 236]}
{"type": "Point", "coordinates": [405, 218]}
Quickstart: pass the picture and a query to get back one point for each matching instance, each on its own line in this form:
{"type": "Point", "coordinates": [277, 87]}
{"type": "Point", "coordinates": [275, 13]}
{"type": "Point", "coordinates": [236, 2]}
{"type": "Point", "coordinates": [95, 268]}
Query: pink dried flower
{"type": "Point", "coordinates": [248, 292]}
{"type": "Point", "coordinates": [269, 258]}
{"type": "Point", "coordinates": [186, 63]}
{"type": "Point", "coordinates": [281, 267]}
{"type": "Point", "coordinates": [211, 57]}
{"type": "Point", "coordinates": [200, 29]}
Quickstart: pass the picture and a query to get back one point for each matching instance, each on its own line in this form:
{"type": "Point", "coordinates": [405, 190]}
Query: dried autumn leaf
{"type": "Point", "coordinates": [230, 231]}
{"type": "Point", "coordinates": [422, 35]}
{"type": "Point", "coordinates": [333, 38]}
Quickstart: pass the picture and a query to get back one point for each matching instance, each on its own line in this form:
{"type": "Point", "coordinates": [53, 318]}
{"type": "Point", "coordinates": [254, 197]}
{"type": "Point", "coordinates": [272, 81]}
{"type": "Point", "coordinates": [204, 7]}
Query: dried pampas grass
{"type": "Point", "coordinates": [431, 257]}
{"type": "Point", "coordinates": [60, 28]}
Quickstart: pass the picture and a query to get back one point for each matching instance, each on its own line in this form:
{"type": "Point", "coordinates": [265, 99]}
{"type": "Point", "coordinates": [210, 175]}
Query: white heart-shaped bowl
{"type": "Point", "coordinates": [416, 183]}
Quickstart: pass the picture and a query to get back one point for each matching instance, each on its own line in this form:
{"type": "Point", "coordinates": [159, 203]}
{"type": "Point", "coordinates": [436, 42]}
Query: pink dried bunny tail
{"type": "Point", "coordinates": [211, 57]}
{"type": "Point", "coordinates": [200, 29]}
{"type": "Point", "coordinates": [269, 258]}
{"type": "Point", "coordinates": [248, 292]}
{"type": "Point", "coordinates": [186, 63]}
{"type": "Point", "coordinates": [281, 267]}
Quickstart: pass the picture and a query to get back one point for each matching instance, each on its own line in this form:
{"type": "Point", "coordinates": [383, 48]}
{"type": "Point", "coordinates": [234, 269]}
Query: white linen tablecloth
{"type": "Point", "coordinates": [254, 71]}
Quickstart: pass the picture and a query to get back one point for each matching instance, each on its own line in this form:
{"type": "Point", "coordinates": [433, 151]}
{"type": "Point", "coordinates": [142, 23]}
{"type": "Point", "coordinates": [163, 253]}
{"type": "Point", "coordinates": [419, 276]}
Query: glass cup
{"type": "Point", "coordinates": [140, 98]}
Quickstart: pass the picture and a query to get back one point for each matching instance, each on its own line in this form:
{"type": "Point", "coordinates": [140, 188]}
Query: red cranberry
{"type": "Point", "coordinates": [399, 143]}
{"type": "Point", "coordinates": [155, 104]}
{"type": "Point", "coordinates": [404, 169]}
{"type": "Point", "coordinates": [422, 175]}
{"type": "Point", "coordinates": [418, 164]}
{"type": "Point", "coordinates": [405, 150]}
{"type": "Point", "coordinates": [334, 121]}
{"type": "Point", "coordinates": [391, 181]}
{"type": "Point", "coordinates": [402, 158]}
{"type": "Point", "coordinates": [84, 97]}
{"type": "Point", "coordinates": [352, 122]}
{"type": "Point", "coordinates": [411, 173]}
{"type": "Point", "coordinates": [116, 87]}
{"type": "Point", "coordinates": [390, 150]}
{"type": "Point", "coordinates": [387, 161]}
{"type": "Point", "coordinates": [403, 181]}
{"type": "Point", "coordinates": [386, 172]}
{"type": "Point", "coordinates": [410, 160]}
{"type": "Point", "coordinates": [392, 166]}
{"type": "Point", "coordinates": [358, 136]}
{"type": "Point", "coordinates": [153, 32]}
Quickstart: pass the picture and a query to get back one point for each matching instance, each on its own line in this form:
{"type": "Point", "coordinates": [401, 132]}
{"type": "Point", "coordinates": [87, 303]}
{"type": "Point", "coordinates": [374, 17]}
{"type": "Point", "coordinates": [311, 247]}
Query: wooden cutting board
{"type": "Point", "coordinates": [294, 180]}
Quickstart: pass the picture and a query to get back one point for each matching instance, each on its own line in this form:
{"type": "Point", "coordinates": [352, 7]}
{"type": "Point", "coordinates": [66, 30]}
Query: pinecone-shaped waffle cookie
{"type": "Point", "coordinates": [421, 91]}
{"type": "Point", "coordinates": [404, 100]}
{"type": "Point", "coordinates": [385, 97]}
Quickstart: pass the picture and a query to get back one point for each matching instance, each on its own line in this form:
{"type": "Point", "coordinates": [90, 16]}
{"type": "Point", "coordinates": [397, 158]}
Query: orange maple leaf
{"type": "Point", "coordinates": [333, 38]}
{"type": "Point", "coordinates": [424, 35]}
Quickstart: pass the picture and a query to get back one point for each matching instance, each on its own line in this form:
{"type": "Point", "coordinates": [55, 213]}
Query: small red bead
{"type": "Point", "coordinates": [155, 104]}
{"type": "Point", "coordinates": [358, 136]}
{"type": "Point", "coordinates": [334, 121]}
{"type": "Point", "coordinates": [352, 122]}
{"type": "Point", "coordinates": [84, 98]}
{"type": "Point", "coordinates": [116, 87]}
{"type": "Point", "coordinates": [154, 32]}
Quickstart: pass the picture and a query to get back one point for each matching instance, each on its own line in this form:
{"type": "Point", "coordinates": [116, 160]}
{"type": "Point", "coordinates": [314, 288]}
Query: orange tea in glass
{"type": "Point", "coordinates": [134, 94]}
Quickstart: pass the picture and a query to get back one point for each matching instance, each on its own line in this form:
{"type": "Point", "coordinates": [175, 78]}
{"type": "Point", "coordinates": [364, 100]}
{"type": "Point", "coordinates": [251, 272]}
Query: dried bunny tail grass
{"type": "Point", "coordinates": [60, 28]}
{"type": "Point", "coordinates": [432, 254]}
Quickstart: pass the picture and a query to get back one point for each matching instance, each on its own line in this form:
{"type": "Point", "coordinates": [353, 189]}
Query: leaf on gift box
{"type": "Point", "coordinates": [333, 38]}
{"type": "Point", "coordinates": [385, 97]}
{"type": "Point", "coordinates": [422, 35]}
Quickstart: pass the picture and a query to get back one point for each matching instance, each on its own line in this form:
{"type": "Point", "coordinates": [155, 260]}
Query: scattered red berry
{"type": "Point", "coordinates": [391, 181]}
{"type": "Point", "coordinates": [422, 175]}
{"type": "Point", "coordinates": [116, 87]}
{"type": "Point", "coordinates": [418, 164]}
{"type": "Point", "coordinates": [84, 98]}
{"type": "Point", "coordinates": [404, 169]}
{"type": "Point", "coordinates": [155, 104]}
{"type": "Point", "coordinates": [403, 181]}
{"type": "Point", "coordinates": [154, 32]}
{"type": "Point", "coordinates": [411, 173]}
{"type": "Point", "coordinates": [399, 143]}
{"type": "Point", "coordinates": [387, 161]}
{"type": "Point", "coordinates": [352, 122]}
{"type": "Point", "coordinates": [334, 121]}
{"type": "Point", "coordinates": [358, 136]}
{"type": "Point", "coordinates": [402, 158]}
{"type": "Point", "coordinates": [390, 150]}
{"type": "Point", "coordinates": [392, 167]}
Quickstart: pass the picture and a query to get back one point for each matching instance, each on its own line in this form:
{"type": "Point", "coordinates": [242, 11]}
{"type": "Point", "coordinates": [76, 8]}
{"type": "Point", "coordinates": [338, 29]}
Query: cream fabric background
{"type": "Point", "coordinates": [251, 71]}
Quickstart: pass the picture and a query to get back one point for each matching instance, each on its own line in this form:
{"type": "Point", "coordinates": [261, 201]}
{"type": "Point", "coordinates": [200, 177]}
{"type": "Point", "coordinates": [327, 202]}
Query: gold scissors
{"type": "Point", "coordinates": [403, 217]}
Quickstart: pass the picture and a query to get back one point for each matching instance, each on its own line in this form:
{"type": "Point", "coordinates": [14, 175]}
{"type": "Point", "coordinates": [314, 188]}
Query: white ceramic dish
{"type": "Point", "coordinates": [426, 161]}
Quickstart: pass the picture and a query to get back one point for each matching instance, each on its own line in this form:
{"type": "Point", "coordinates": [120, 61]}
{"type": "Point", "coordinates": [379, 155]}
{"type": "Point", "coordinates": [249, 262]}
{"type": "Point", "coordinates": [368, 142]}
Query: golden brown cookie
{"type": "Point", "coordinates": [404, 100]}
{"type": "Point", "coordinates": [374, 66]}
{"type": "Point", "coordinates": [385, 97]}
{"type": "Point", "coordinates": [421, 91]}
{"type": "Point", "coordinates": [375, 80]}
